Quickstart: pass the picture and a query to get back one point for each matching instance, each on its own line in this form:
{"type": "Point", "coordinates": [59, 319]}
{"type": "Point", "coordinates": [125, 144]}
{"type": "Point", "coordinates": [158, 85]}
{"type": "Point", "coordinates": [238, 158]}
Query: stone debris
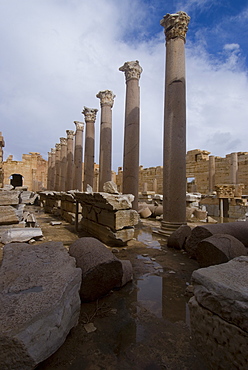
{"type": "Point", "coordinates": [101, 270]}
{"type": "Point", "coordinates": [21, 235]}
{"type": "Point", "coordinates": [39, 302]}
{"type": "Point", "coordinates": [55, 223]}
{"type": "Point", "coordinates": [8, 215]}
{"type": "Point", "coordinates": [219, 313]}
{"type": "Point", "coordinates": [219, 248]}
{"type": "Point", "coordinates": [110, 187]}
{"type": "Point", "coordinates": [89, 327]}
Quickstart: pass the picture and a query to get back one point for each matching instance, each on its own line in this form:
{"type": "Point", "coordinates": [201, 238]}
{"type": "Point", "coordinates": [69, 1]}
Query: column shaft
{"type": "Point", "coordinates": [52, 178]}
{"type": "Point", "coordinates": [63, 160]}
{"type": "Point", "coordinates": [78, 155]}
{"type": "Point", "coordinates": [211, 173]}
{"type": "Point", "coordinates": [234, 168]}
{"type": "Point", "coordinates": [57, 166]}
{"type": "Point", "coordinates": [70, 163]}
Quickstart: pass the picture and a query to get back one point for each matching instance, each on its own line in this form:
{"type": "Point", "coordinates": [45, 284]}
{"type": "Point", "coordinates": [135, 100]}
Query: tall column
{"type": "Point", "coordinates": [78, 155]}
{"type": "Point", "coordinates": [174, 164]}
{"type": "Point", "coordinates": [90, 117]}
{"type": "Point", "coordinates": [57, 166]}
{"type": "Point", "coordinates": [234, 168]}
{"type": "Point", "coordinates": [211, 165]}
{"type": "Point", "coordinates": [69, 159]}
{"type": "Point", "coordinates": [52, 178]}
{"type": "Point", "coordinates": [132, 72]}
{"type": "Point", "coordinates": [49, 171]}
{"type": "Point", "coordinates": [63, 158]}
{"type": "Point", "coordinates": [105, 156]}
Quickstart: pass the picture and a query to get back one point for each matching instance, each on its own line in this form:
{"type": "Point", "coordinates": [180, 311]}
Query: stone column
{"type": "Point", "coordinates": [211, 165]}
{"type": "Point", "coordinates": [63, 158]}
{"type": "Point", "coordinates": [105, 156]}
{"type": "Point", "coordinates": [90, 117]}
{"type": "Point", "coordinates": [57, 166]}
{"type": "Point", "coordinates": [234, 168]}
{"type": "Point", "coordinates": [78, 155]}
{"type": "Point", "coordinates": [70, 163]}
{"type": "Point", "coordinates": [174, 164]}
{"type": "Point", "coordinates": [132, 72]}
{"type": "Point", "coordinates": [155, 185]}
{"type": "Point", "coordinates": [52, 178]}
{"type": "Point", "coordinates": [49, 171]}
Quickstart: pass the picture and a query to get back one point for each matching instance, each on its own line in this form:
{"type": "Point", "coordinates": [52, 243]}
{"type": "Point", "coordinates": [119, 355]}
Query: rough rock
{"type": "Point", "coordinates": [101, 270]}
{"type": "Point", "coordinates": [8, 215]}
{"type": "Point", "coordinates": [110, 187]}
{"type": "Point", "coordinates": [21, 235]}
{"type": "Point", "coordinates": [39, 302]}
{"type": "Point", "coordinates": [178, 238]}
{"type": "Point", "coordinates": [219, 248]}
{"type": "Point", "coordinates": [237, 229]}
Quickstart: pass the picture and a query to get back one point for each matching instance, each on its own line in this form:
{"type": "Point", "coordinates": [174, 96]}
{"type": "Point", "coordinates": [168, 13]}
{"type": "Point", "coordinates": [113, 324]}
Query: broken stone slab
{"type": "Point", "coordinates": [39, 302]}
{"type": "Point", "coordinates": [101, 270]}
{"type": "Point", "coordinates": [21, 235]}
{"type": "Point", "coordinates": [145, 212]}
{"type": "Point", "coordinates": [8, 215]}
{"type": "Point", "coordinates": [222, 289]}
{"type": "Point", "coordinates": [107, 201]}
{"type": "Point", "coordinates": [115, 220]}
{"type": "Point", "coordinates": [219, 248]}
{"type": "Point", "coordinates": [178, 238]}
{"type": "Point", "coordinates": [106, 235]}
{"type": "Point", "coordinates": [19, 210]}
{"type": "Point", "coordinates": [200, 214]}
{"type": "Point", "coordinates": [110, 187]}
{"type": "Point", "coordinates": [8, 198]}
{"type": "Point", "coordinates": [237, 229]}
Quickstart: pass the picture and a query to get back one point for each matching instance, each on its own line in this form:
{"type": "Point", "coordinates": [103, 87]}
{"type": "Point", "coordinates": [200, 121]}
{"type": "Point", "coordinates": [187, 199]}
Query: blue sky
{"type": "Point", "coordinates": [58, 54]}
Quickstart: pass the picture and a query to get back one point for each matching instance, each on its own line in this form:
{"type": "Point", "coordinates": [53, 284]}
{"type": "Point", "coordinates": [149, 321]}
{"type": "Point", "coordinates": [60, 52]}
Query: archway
{"type": "Point", "coordinates": [16, 180]}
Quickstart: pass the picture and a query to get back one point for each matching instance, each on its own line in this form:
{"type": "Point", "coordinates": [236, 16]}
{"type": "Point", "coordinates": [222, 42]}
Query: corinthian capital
{"type": "Point", "coordinates": [175, 25]}
{"type": "Point", "coordinates": [79, 125]}
{"type": "Point", "coordinates": [58, 147]}
{"type": "Point", "coordinates": [70, 134]}
{"type": "Point", "coordinates": [90, 114]}
{"type": "Point", "coordinates": [106, 98]}
{"type": "Point", "coordinates": [63, 141]}
{"type": "Point", "coordinates": [131, 69]}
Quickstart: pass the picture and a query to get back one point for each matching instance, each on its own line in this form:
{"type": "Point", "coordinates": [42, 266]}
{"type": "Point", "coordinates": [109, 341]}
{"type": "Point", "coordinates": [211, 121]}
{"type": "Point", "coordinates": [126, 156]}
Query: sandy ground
{"type": "Point", "coordinates": [146, 324]}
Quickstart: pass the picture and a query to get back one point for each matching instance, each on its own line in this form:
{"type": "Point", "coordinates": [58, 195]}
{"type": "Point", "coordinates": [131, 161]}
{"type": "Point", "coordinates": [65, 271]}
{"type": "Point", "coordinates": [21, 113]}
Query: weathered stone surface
{"type": "Point", "coordinates": [237, 229]}
{"type": "Point", "coordinates": [222, 289]}
{"type": "Point", "coordinates": [200, 214]}
{"type": "Point", "coordinates": [9, 197]}
{"type": "Point", "coordinates": [115, 220]}
{"type": "Point", "coordinates": [189, 212]}
{"type": "Point", "coordinates": [110, 187]}
{"type": "Point", "coordinates": [178, 238]}
{"type": "Point", "coordinates": [106, 235]}
{"type": "Point", "coordinates": [145, 212]}
{"type": "Point", "coordinates": [39, 302]}
{"type": "Point", "coordinates": [8, 215]}
{"type": "Point", "coordinates": [219, 248]}
{"type": "Point", "coordinates": [107, 201]}
{"type": "Point", "coordinates": [21, 234]}
{"type": "Point", "coordinates": [101, 270]}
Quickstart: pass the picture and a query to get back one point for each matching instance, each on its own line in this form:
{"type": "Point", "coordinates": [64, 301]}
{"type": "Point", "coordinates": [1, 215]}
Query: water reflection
{"type": "Point", "coordinates": [147, 238]}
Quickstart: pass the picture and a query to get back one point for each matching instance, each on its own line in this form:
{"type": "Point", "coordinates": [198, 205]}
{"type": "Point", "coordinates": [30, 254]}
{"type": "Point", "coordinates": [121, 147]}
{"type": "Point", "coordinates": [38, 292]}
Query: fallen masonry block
{"type": "Point", "coordinates": [21, 235]}
{"type": "Point", "coordinates": [39, 302]}
{"type": "Point", "coordinates": [8, 215]}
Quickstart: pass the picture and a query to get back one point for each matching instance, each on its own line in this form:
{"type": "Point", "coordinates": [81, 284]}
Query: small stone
{"type": "Point", "coordinates": [145, 255]}
{"type": "Point", "coordinates": [54, 223]}
{"type": "Point", "coordinates": [182, 263]}
{"type": "Point", "coordinates": [90, 327]}
{"type": "Point", "coordinates": [113, 311]}
{"type": "Point", "coordinates": [31, 241]}
{"type": "Point", "coordinates": [171, 272]}
{"type": "Point", "coordinates": [153, 259]}
{"type": "Point", "coordinates": [115, 250]}
{"type": "Point", "coordinates": [148, 262]}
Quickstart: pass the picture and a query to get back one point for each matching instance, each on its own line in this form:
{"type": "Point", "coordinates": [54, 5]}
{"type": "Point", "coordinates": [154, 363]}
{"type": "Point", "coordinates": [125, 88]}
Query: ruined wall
{"type": "Point", "coordinates": [32, 168]}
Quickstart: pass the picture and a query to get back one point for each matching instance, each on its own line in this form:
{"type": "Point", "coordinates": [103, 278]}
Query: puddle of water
{"type": "Point", "coordinates": [147, 238]}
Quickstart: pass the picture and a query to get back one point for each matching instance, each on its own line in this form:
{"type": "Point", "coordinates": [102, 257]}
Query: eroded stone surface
{"type": "Point", "coordinates": [39, 302]}
{"type": "Point", "coordinates": [178, 238]}
{"type": "Point", "coordinates": [107, 201]}
{"type": "Point", "coordinates": [9, 197]}
{"type": "Point", "coordinates": [21, 234]}
{"type": "Point", "coordinates": [8, 215]}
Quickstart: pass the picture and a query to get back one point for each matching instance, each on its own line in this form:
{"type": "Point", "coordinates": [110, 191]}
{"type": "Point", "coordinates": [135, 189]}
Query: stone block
{"type": "Point", "coordinates": [112, 202]}
{"type": "Point", "coordinates": [8, 215]}
{"type": "Point", "coordinates": [178, 238]}
{"type": "Point", "coordinates": [101, 270]}
{"type": "Point", "coordinates": [145, 212]}
{"type": "Point", "coordinates": [39, 302]}
{"type": "Point", "coordinates": [9, 197]}
{"type": "Point", "coordinates": [219, 248]}
{"type": "Point", "coordinates": [110, 187]}
{"type": "Point", "coordinates": [21, 235]}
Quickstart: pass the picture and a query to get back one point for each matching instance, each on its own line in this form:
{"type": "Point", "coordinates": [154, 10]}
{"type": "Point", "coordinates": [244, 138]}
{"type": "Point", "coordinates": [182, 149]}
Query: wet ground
{"type": "Point", "coordinates": [146, 324]}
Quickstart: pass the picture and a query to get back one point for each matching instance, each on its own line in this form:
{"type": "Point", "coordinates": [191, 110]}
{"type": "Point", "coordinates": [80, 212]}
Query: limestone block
{"type": "Point", "coordinates": [68, 206]}
{"type": "Point", "coordinates": [219, 248]}
{"type": "Point", "coordinates": [107, 201]}
{"type": "Point", "coordinates": [145, 212]}
{"type": "Point", "coordinates": [200, 214]}
{"type": "Point", "coordinates": [222, 289]}
{"type": "Point", "coordinates": [39, 302]}
{"type": "Point", "coordinates": [106, 235]}
{"type": "Point", "coordinates": [237, 229]}
{"type": "Point", "coordinates": [21, 235]}
{"type": "Point", "coordinates": [68, 216]}
{"type": "Point", "coordinates": [178, 238]}
{"type": "Point", "coordinates": [189, 212]}
{"type": "Point", "coordinates": [101, 270]}
{"type": "Point", "coordinates": [110, 187]}
{"type": "Point", "coordinates": [9, 197]}
{"type": "Point", "coordinates": [8, 215]}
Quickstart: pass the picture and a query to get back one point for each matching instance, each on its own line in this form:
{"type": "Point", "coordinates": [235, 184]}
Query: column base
{"type": "Point", "coordinates": [168, 228]}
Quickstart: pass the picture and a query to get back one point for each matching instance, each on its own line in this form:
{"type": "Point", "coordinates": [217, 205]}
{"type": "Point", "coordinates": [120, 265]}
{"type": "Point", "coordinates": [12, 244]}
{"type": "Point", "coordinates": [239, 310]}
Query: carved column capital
{"type": "Point", "coordinates": [70, 134]}
{"type": "Point", "coordinates": [106, 98]}
{"type": "Point", "coordinates": [58, 146]}
{"type": "Point", "coordinates": [89, 114]}
{"type": "Point", "coordinates": [63, 141]}
{"type": "Point", "coordinates": [132, 70]}
{"type": "Point", "coordinates": [79, 125]}
{"type": "Point", "coordinates": [175, 25]}
{"type": "Point", "coordinates": [53, 150]}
